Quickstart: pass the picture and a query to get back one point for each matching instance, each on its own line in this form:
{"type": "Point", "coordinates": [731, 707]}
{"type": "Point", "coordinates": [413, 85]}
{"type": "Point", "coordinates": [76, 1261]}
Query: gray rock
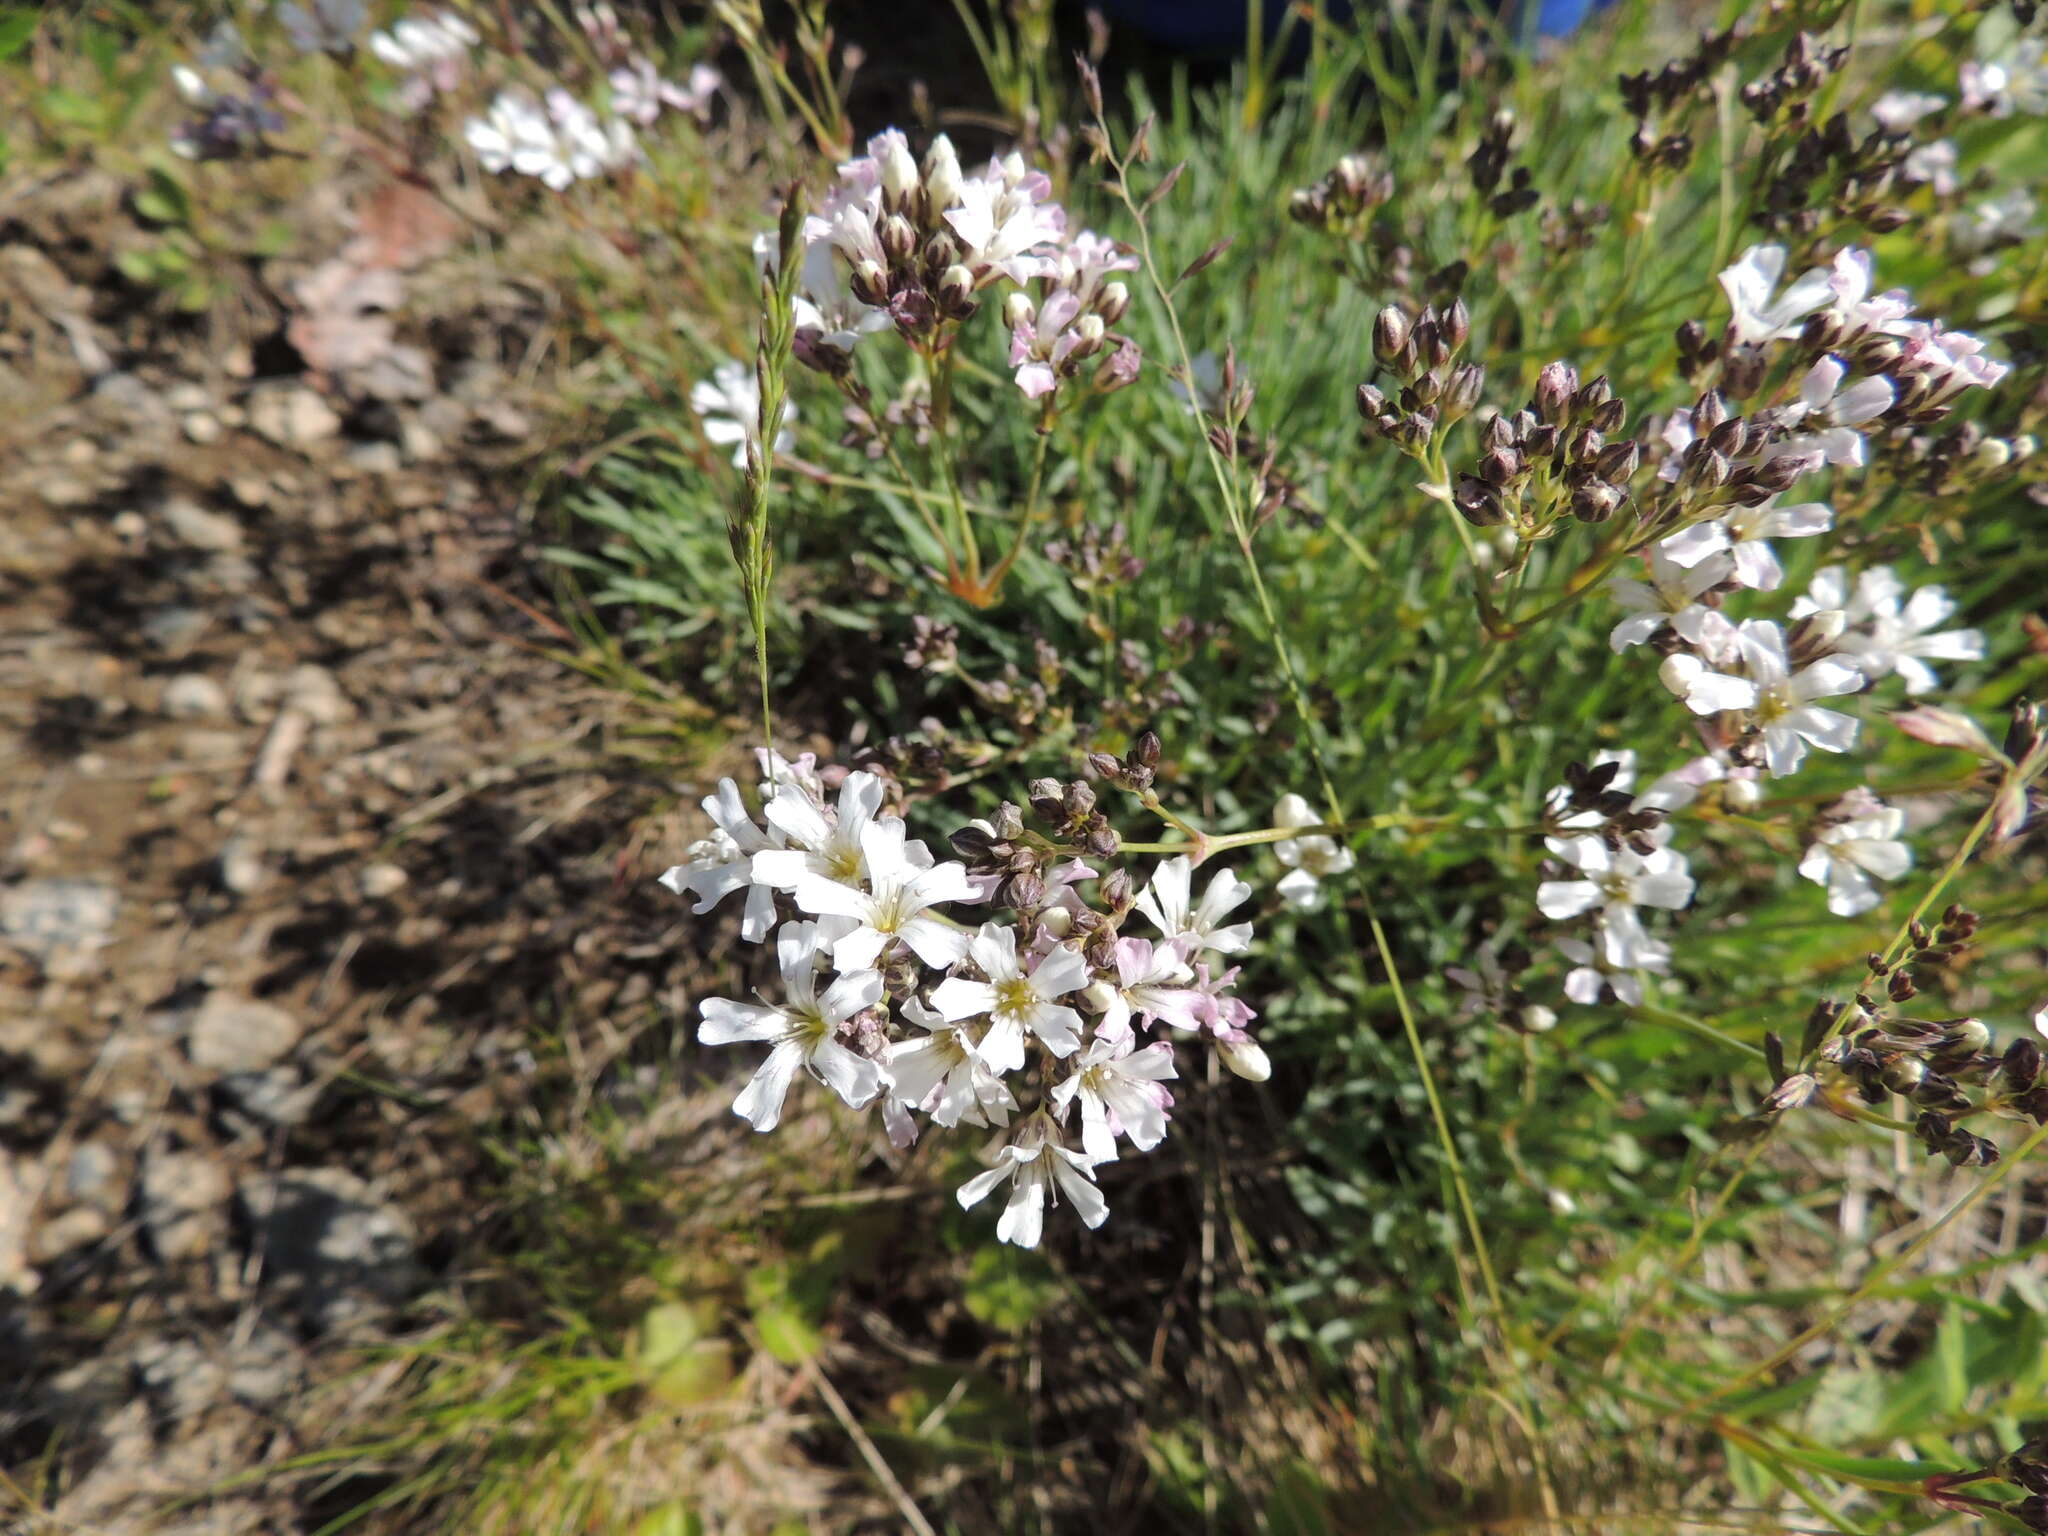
{"type": "Point", "coordinates": [265, 1366]}
{"type": "Point", "coordinates": [182, 1199]}
{"type": "Point", "coordinates": [242, 869]}
{"type": "Point", "coordinates": [291, 415]}
{"type": "Point", "coordinates": [330, 1247]}
{"type": "Point", "coordinates": [375, 458]}
{"type": "Point", "coordinates": [381, 880]}
{"type": "Point", "coordinates": [43, 916]}
{"type": "Point", "coordinates": [314, 693]}
{"type": "Point", "coordinates": [239, 1034]}
{"type": "Point", "coordinates": [203, 427]}
{"type": "Point", "coordinates": [279, 1095]}
{"type": "Point", "coordinates": [181, 1378]}
{"type": "Point", "coordinates": [194, 696]}
{"type": "Point", "coordinates": [197, 528]}
{"type": "Point", "coordinates": [93, 1176]}
{"type": "Point", "coordinates": [175, 630]}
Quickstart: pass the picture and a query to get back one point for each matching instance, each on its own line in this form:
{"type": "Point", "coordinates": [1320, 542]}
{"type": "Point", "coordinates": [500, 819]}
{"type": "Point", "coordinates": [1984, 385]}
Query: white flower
{"type": "Point", "coordinates": [1120, 1094]}
{"type": "Point", "coordinates": [1704, 691]}
{"type": "Point", "coordinates": [1744, 532]}
{"type": "Point", "coordinates": [1756, 315]}
{"type": "Point", "coordinates": [1898, 111]}
{"type": "Point", "coordinates": [1952, 361]}
{"type": "Point", "coordinates": [1044, 338]}
{"type": "Point", "coordinates": [2015, 81]}
{"type": "Point", "coordinates": [1017, 1001]}
{"type": "Point", "coordinates": [1037, 1162]}
{"type": "Point", "coordinates": [1005, 226]}
{"type": "Point", "coordinates": [730, 403]}
{"type": "Point", "coordinates": [589, 145]}
{"type": "Point", "coordinates": [944, 1075]}
{"type": "Point", "coordinates": [1845, 856]}
{"type": "Point", "coordinates": [1150, 985]}
{"type": "Point", "coordinates": [418, 43]}
{"type": "Point", "coordinates": [896, 904]}
{"type": "Point", "coordinates": [817, 844]}
{"type": "Point", "coordinates": [1784, 707]}
{"type": "Point", "coordinates": [1309, 860]}
{"type": "Point", "coordinates": [1591, 974]}
{"type": "Point", "coordinates": [1886, 635]}
{"type": "Point", "coordinates": [1933, 165]}
{"type": "Point", "coordinates": [803, 1030]}
{"type": "Point", "coordinates": [1837, 411]}
{"type": "Point", "coordinates": [1165, 902]}
{"type": "Point", "coordinates": [1671, 596]}
{"type": "Point", "coordinates": [639, 91]}
{"type": "Point", "coordinates": [1616, 882]}
{"type": "Point", "coordinates": [1851, 277]}
{"type": "Point", "coordinates": [515, 135]}
{"type": "Point", "coordinates": [724, 862]}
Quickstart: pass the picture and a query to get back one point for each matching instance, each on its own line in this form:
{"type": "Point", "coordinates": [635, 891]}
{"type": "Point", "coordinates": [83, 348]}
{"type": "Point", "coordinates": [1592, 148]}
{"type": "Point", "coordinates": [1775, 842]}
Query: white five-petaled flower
{"type": "Point", "coordinates": [1996, 221]}
{"type": "Point", "coordinates": [1616, 882]}
{"type": "Point", "coordinates": [1744, 533]}
{"type": "Point", "coordinates": [818, 844]}
{"type": "Point", "coordinates": [640, 91]}
{"type": "Point", "coordinates": [896, 905]}
{"type": "Point", "coordinates": [944, 1075]}
{"type": "Point", "coordinates": [1847, 854]}
{"type": "Point", "coordinates": [1933, 165]}
{"type": "Point", "coordinates": [1005, 222]}
{"type": "Point", "coordinates": [1310, 860]}
{"type": "Point", "coordinates": [802, 1030]}
{"type": "Point", "coordinates": [1854, 305]}
{"type": "Point", "coordinates": [724, 862]}
{"type": "Point", "coordinates": [1671, 596]}
{"type": "Point", "coordinates": [1042, 339]}
{"type": "Point", "coordinates": [1784, 709]}
{"type": "Point", "coordinates": [1120, 1093]}
{"type": "Point", "coordinates": [730, 403]}
{"type": "Point", "coordinates": [1166, 902]}
{"type": "Point", "coordinates": [1889, 632]}
{"type": "Point", "coordinates": [1038, 1164]}
{"type": "Point", "coordinates": [1827, 415]}
{"type": "Point", "coordinates": [1151, 984]}
{"type": "Point", "coordinates": [1758, 311]}
{"type": "Point", "coordinates": [1591, 974]}
{"type": "Point", "coordinates": [1017, 999]}
{"type": "Point", "coordinates": [432, 47]}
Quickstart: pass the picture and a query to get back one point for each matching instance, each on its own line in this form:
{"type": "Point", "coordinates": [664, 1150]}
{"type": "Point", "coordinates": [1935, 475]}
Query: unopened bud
{"type": "Point", "coordinates": [941, 174]}
{"type": "Point", "coordinates": [1742, 794]}
{"type": "Point", "coordinates": [899, 171]}
{"type": "Point", "coordinates": [956, 290]}
{"type": "Point", "coordinates": [1019, 313]}
{"type": "Point", "coordinates": [1390, 332]}
{"type": "Point", "coordinates": [1113, 302]}
{"type": "Point", "coordinates": [1945, 728]}
{"type": "Point", "coordinates": [1555, 386]}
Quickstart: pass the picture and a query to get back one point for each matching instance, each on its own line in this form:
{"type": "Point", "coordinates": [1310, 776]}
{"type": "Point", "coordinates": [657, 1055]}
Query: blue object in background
{"type": "Point", "coordinates": [1216, 27]}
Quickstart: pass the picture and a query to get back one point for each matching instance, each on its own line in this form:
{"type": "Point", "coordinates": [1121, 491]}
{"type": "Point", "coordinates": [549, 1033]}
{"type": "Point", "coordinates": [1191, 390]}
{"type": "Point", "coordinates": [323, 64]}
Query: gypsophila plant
{"type": "Point", "coordinates": [1026, 1009]}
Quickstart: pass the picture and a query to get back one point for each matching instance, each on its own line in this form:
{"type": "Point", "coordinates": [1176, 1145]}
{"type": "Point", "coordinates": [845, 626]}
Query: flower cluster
{"type": "Point", "coordinates": [233, 99]}
{"type": "Point", "coordinates": [1035, 1020]}
{"type": "Point", "coordinates": [431, 50]}
{"type": "Point", "coordinates": [1762, 692]}
{"type": "Point", "coordinates": [913, 244]}
{"type": "Point", "coordinates": [561, 139]}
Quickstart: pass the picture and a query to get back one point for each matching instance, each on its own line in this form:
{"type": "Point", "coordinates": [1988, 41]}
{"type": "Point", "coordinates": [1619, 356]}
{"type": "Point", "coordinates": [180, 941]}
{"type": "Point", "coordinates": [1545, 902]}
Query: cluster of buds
{"type": "Point", "coordinates": [1553, 454]}
{"type": "Point", "coordinates": [1596, 802]}
{"type": "Point", "coordinates": [888, 1000]}
{"type": "Point", "coordinates": [1956, 462]}
{"type": "Point", "coordinates": [1827, 166]}
{"type": "Point", "coordinates": [1947, 1069]}
{"type": "Point", "coordinates": [1784, 94]}
{"type": "Point", "coordinates": [1489, 162]}
{"type": "Point", "coordinates": [1720, 459]}
{"type": "Point", "coordinates": [1342, 203]}
{"type": "Point", "coordinates": [887, 217]}
{"type": "Point", "coordinates": [1097, 559]}
{"type": "Point", "coordinates": [1054, 336]}
{"type": "Point", "coordinates": [1659, 93]}
{"type": "Point", "coordinates": [1421, 355]}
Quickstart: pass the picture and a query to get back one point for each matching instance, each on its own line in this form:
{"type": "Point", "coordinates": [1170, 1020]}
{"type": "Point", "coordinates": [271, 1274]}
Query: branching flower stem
{"type": "Point", "coordinates": [1234, 511]}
